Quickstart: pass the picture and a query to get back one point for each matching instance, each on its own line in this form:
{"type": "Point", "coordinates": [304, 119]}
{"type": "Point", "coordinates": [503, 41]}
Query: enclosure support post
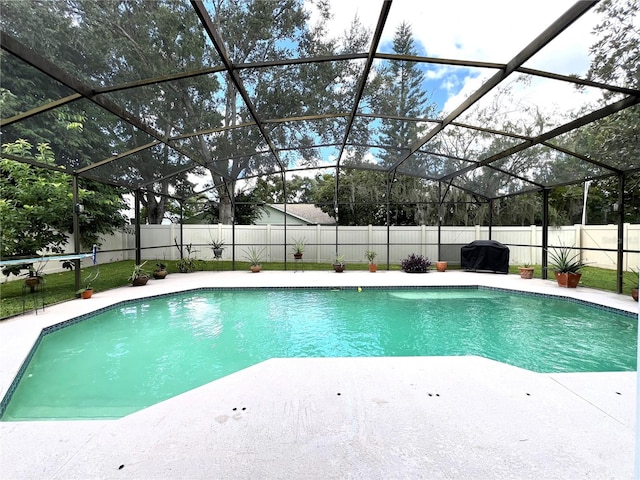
{"type": "Point", "coordinates": [490, 216]}
{"type": "Point", "coordinates": [233, 226]}
{"type": "Point", "coordinates": [545, 232]}
{"type": "Point", "coordinates": [137, 225]}
{"type": "Point", "coordinates": [335, 204]}
{"type": "Point", "coordinates": [284, 201]}
{"type": "Point", "coordinates": [76, 229]}
{"type": "Point", "coordinates": [181, 230]}
{"type": "Point", "coordinates": [440, 202]}
{"type": "Point", "coordinates": [620, 261]}
{"type": "Point", "coordinates": [390, 178]}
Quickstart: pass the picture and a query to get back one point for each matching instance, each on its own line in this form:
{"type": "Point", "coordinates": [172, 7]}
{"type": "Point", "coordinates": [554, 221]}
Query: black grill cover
{"type": "Point", "coordinates": [485, 255]}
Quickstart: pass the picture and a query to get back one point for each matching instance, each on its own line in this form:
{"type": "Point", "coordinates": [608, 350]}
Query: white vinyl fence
{"type": "Point", "coordinates": [598, 241]}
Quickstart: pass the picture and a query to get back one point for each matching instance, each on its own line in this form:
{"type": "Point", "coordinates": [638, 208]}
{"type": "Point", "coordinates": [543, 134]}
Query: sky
{"type": "Point", "coordinates": [487, 30]}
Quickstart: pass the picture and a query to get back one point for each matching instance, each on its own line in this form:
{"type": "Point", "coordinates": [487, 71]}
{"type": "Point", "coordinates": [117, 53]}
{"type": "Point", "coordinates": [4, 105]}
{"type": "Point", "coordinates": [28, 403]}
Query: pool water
{"type": "Point", "coordinates": [138, 354]}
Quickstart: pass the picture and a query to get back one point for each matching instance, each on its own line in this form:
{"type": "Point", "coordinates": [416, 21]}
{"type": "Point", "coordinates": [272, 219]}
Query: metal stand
{"type": "Point", "coordinates": [299, 264]}
{"type": "Point", "coordinates": [37, 292]}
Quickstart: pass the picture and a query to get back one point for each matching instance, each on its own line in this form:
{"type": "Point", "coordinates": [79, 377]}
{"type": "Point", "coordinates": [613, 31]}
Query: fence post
{"type": "Point", "coordinates": [533, 252]}
{"type": "Point", "coordinates": [625, 246]}
{"type": "Point", "coordinates": [578, 240]}
{"type": "Point", "coordinates": [268, 242]}
{"type": "Point", "coordinates": [172, 235]}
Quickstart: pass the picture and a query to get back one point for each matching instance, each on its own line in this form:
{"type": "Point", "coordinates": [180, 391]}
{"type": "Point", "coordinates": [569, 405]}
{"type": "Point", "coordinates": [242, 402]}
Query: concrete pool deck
{"type": "Point", "coordinates": [370, 418]}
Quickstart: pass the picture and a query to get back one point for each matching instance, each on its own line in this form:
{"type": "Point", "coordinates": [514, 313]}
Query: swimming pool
{"type": "Point", "coordinates": [138, 353]}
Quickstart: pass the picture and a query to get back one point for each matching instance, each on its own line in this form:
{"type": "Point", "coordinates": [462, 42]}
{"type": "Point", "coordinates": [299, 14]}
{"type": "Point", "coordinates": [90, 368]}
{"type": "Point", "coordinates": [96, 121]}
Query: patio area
{"type": "Point", "coordinates": [373, 418]}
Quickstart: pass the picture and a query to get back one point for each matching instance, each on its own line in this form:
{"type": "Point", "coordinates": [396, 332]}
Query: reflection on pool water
{"type": "Point", "coordinates": [137, 354]}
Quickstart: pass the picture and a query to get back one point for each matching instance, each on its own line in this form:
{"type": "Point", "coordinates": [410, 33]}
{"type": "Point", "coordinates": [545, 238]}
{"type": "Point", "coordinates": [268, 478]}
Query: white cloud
{"type": "Point", "coordinates": [487, 30]}
{"type": "Point", "coordinates": [490, 30]}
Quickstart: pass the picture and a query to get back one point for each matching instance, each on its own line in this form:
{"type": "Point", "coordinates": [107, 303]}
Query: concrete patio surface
{"type": "Point", "coordinates": [334, 418]}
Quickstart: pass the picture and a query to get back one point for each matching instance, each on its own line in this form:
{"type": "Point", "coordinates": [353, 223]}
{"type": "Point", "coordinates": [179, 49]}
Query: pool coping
{"type": "Point", "coordinates": [17, 335]}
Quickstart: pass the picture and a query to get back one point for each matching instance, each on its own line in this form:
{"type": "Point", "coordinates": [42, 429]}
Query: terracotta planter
{"type": "Point", "coordinates": [634, 294]}
{"type": "Point", "coordinates": [160, 274]}
{"type": "Point", "coordinates": [256, 268]}
{"type": "Point", "coordinates": [139, 281]}
{"type": "Point", "coordinates": [567, 280]}
{"type": "Point", "coordinates": [87, 293]}
{"type": "Point", "coordinates": [441, 266]}
{"type": "Point", "coordinates": [526, 272]}
{"type": "Point", "coordinates": [373, 267]}
{"type": "Point", "coordinates": [32, 281]}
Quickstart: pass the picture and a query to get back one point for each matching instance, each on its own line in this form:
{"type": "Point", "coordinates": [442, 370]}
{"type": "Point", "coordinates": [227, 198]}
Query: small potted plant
{"type": "Point", "coordinates": [139, 276]}
{"type": "Point", "coordinates": [160, 272]}
{"type": "Point", "coordinates": [298, 247]}
{"type": "Point", "coordinates": [566, 266]}
{"type": "Point", "coordinates": [416, 264]}
{"type": "Point", "coordinates": [186, 264]}
{"type": "Point", "coordinates": [338, 263]}
{"type": "Point", "coordinates": [526, 271]}
{"type": "Point", "coordinates": [255, 258]}
{"type": "Point", "coordinates": [34, 274]}
{"type": "Point", "coordinates": [217, 246]}
{"type": "Point", "coordinates": [371, 255]}
{"type": "Point", "coordinates": [87, 291]}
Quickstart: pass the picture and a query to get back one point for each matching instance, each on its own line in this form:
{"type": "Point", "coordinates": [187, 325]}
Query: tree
{"type": "Point", "coordinates": [146, 41]}
{"type": "Point", "coordinates": [360, 197]}
{"type": "Point", "coordinates": [270, 190]}
{"type": "Point", "coordinates": [616, 139]}
{"type": "Point", "coordinates": [254, 31]}
{"type": "Point", "coordinates": [403, 96]}
{"type": "Point", "coordinates": [36, 207]}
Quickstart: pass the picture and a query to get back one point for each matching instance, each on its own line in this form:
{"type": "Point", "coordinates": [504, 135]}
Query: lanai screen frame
{"type": "Point", "coordinates": [98, 95]}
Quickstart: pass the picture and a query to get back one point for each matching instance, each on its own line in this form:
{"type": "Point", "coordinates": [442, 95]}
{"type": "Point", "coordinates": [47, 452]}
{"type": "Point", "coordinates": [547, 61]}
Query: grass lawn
{"type": "Point", "coordinates": [60, 287]}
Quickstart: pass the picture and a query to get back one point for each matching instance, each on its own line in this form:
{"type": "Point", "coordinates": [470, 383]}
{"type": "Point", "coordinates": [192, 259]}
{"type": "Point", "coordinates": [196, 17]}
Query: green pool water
{"type": "Point", "coordinates": [135, 355]}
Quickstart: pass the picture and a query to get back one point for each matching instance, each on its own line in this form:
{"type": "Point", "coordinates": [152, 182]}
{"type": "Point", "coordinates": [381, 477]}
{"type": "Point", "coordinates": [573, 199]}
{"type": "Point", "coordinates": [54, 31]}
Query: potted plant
{"type": "Point", "coordinates": [87, 291]}
{"type": "Point", "coordinates": [338, 263]}
{"type": "Point", "coordinates": [34, 274]}
{"type": "Point", "coordinates": [441, 265]}
{"type": "Point", "coordinates": [217, 246]}
{"type": "Point", "coordinates": [371, 255]}
{"type": "Point", "coordinates": [566, 266]}
{"type": "Point", "coordinates": [298, 247]}
{"type": "Point", "coordinates": [526, 271]}
{"type": "Point", "coordinates": [186, 264]}
{"type": "Point", "coordinates": [160, 272]}
{"type": "Point", "coordinates": [416, 264]}
{"type": "Point", "coordinates": [255, 258]}
{"type": "Point", "coordinates": [139, 276]}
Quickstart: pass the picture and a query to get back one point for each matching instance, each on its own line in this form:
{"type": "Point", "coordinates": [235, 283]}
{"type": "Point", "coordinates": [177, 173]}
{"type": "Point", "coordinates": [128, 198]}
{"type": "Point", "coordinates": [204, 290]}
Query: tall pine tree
{"type": "Point", "coordinates": [404, 97]}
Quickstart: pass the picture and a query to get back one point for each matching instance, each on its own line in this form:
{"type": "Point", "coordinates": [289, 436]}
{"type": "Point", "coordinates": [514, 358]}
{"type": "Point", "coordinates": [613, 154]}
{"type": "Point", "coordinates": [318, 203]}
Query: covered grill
{"type": "Point", "coordinates": [485, 256]}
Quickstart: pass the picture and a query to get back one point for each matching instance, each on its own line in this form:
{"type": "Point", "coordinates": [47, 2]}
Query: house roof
{"type": "Point", "coordinates": [306, 212]}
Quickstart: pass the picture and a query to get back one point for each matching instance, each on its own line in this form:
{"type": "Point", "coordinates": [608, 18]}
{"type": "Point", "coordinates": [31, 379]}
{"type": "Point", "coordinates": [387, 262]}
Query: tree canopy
{"type": "Point", "coordinates": [205, 100]}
